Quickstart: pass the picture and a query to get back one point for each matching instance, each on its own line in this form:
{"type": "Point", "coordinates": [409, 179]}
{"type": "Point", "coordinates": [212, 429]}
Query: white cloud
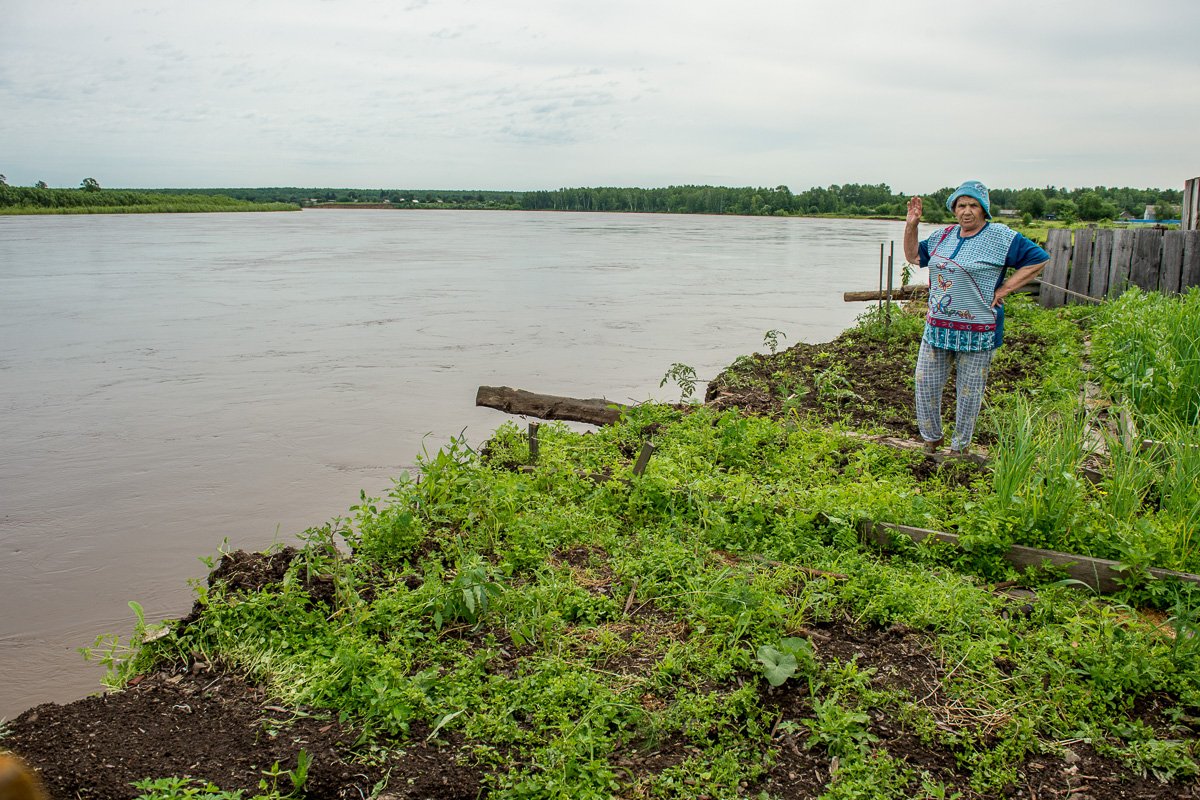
{"type": "Point", "coordinates": [518, 94]}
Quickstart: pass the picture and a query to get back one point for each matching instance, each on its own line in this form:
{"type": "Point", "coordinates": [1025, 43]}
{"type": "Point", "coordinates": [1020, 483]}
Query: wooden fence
{"type": "Point", "coordinates": [1189, 215]}
{"type": "Point", "coordinates": [1092, 263]}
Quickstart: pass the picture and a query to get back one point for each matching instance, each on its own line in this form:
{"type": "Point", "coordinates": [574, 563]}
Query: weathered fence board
{"type": "Point", "coordinates": [1118, 269]}
{"type": "Point", "coordinates": [1147, 258]}
{"type": "Point", "coordinates": [1101, 259]}
{"type": "Point", "coordinates": [1058, 245]}
{"type": "Point", "coordinates": [1191, 262]}
{"type": "Point", "coordinates": [1172, 262]}
{"type": "Point", "coordinates": [1093, 263]}
{"type": "Point", "coordinates": [1081, 253]}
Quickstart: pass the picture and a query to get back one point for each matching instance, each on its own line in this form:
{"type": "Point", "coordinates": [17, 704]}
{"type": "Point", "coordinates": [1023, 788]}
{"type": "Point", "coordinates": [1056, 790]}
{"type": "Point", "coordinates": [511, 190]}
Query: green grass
{"type": "Point", "coordinates": [557, 624]}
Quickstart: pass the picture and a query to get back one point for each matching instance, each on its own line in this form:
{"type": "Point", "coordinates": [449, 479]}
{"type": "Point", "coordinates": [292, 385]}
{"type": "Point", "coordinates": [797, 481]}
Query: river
{"type": "Point", "coordinates": [174, 384]}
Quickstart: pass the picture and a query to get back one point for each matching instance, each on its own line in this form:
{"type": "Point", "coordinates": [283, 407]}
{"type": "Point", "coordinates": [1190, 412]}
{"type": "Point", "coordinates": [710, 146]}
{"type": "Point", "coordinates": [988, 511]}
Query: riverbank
{"type": "Point", "coordinates": [712, 626]}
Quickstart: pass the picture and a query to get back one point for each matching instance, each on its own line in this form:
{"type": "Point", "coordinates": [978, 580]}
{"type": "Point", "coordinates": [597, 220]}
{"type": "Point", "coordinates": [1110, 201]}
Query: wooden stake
{"type": "Point", "coordinates": [533, 442]}
{"type": "Point", "coordinates": [643, 458]}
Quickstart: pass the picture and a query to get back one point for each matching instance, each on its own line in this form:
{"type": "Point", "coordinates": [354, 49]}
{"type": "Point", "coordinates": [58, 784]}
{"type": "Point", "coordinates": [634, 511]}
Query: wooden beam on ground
{"type": "Point", "coordinates": [1100, 574]}
{"type": "Point", "coordinates": [594, 411]}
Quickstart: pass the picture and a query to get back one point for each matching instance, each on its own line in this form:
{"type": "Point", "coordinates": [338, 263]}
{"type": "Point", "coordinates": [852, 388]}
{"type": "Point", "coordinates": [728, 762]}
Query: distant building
{"type": "Point", "coordinates": [1151, 213]}
{"type": "Point", "coordinates": [1008, 212]}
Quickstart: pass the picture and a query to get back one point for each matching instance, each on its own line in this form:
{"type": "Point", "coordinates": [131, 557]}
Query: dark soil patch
{"type": "Point", "coordinates": [855, 379]}
{"type": "Point", "coordinates": [218, 728]}
{"type": "Point", "coordinates": [212, 728]}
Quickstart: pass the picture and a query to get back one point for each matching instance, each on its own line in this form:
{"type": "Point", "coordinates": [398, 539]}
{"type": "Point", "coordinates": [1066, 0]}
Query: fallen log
{"type": "Point", "coordinates": [901, 293]}
{"type": "Point", "coordinates": [1101, 574]}
{"type": "Point", "coordinates": [594, 411]}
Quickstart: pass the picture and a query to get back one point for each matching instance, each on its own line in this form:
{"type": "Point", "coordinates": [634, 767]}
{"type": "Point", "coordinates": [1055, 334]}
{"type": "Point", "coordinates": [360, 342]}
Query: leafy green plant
{"type": "Point", "coordinates": [468, 596]}
{"type": "Point", "coordinates": [682, 376]}
{"type": "Point", "coordinates": [840, 730]}
{"type": "Point", "coordinates": [771, 339]}
{"type": "Point", "coordinates": [183, 789]}
{"type": "Point", "coordinates": [386, 534]}
{"type": "Point", "coordinates": [793, 655]}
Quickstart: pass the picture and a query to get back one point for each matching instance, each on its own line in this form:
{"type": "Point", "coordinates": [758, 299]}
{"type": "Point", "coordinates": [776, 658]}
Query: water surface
{"type": "Point", "coordinates": [172, 382]}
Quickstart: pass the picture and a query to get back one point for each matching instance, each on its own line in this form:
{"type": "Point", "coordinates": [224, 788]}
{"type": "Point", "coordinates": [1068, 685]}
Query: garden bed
{"type": "Point", "coordinates": [709, 627]}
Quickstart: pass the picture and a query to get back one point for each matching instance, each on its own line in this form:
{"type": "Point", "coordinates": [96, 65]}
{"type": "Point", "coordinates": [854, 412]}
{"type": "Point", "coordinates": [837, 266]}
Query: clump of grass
{"type": "Point", "coordinates": [1147, 348]}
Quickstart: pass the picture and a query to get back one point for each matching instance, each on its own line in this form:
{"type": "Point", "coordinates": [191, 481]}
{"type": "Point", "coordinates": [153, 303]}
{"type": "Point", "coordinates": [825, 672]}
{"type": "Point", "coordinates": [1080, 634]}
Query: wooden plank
{"type": "Point", "coordinates": [1100, 574]}
{"type": "Point", "coordinates": [1101, 263]}
{"type": "Point", "coordinates": [1147, 254]}
{"type": "Point", "coordinates": [1190, 272]}
{"type": "Point", "coordinates": [1081, 262]}
{"type": "Point", "coordinates": [1190, 212]}
{"type": "Point", "coordinates": [1171, 269]}
{"type": "Point", "coordinates": [1118, 267]}
{"type": "Point", "coordinates": [1058, 245]}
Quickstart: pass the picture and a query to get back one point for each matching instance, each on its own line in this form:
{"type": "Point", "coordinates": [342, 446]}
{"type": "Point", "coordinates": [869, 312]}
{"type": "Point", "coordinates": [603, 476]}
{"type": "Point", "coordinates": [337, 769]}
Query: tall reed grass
{"type": "Point", "coordinates": [1147, 348]}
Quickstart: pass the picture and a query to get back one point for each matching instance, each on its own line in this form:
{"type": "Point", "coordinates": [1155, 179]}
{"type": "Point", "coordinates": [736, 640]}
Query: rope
{"type": "Point", "coordinates": [1089, 298]}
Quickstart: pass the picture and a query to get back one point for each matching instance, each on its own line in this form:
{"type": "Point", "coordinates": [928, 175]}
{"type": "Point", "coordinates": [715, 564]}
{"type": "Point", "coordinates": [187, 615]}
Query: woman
{"type": "Point", "coordinates": [965, 324]}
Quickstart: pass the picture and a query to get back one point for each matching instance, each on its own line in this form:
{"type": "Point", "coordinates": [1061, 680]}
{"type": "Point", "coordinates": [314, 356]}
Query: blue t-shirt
{"type": "Point", "coordinates": [964, 274]}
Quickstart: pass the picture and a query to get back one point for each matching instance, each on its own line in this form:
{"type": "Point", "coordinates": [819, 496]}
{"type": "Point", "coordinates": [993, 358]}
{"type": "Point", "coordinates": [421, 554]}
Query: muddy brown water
{"type": "Point", "coordinates": [170, 383]}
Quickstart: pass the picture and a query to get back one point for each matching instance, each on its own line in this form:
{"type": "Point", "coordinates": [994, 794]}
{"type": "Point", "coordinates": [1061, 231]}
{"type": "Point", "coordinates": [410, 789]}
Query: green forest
{"type": "Point", "coordinates": [844, 200]}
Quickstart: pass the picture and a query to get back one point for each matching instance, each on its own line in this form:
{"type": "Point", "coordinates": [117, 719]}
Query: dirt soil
{"type": "Point", "coordinates": [865, 382]}
{"type": "Point", "coordinates": [195, 719]}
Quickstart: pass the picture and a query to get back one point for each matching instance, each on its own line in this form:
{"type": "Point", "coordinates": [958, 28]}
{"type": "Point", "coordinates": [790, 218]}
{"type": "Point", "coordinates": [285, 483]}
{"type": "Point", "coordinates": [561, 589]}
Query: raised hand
{"type": "Point", "coordinates": [916, 207]}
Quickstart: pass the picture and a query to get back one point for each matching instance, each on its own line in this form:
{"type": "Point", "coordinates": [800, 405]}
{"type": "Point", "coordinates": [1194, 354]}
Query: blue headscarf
{"type": "Point", "coordinates": [972, 189]}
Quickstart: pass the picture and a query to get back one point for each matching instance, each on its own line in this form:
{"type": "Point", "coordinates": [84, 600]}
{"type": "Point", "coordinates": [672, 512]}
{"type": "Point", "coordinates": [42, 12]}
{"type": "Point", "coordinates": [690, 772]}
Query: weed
{"type": "Point", "coordinates": [793, 655]}
{"type": "Point", "coordinates": [771, 339]}
{"type": "Point", "coordinates": [682, 376]}
{"type": "Point", "coordinates": [841, 731]}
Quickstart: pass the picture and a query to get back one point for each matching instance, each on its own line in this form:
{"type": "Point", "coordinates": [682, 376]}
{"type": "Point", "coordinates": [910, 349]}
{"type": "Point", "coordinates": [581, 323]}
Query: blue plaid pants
{"type": "Point", "coordinates": [933, 369]}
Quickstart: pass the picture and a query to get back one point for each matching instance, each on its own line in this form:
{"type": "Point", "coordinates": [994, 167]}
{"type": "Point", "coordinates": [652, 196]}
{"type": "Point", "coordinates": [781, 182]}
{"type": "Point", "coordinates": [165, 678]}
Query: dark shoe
{"type": "Point", "coordinates": [962, 452]}
{"type": "Point", "coordinates": [932, 447]}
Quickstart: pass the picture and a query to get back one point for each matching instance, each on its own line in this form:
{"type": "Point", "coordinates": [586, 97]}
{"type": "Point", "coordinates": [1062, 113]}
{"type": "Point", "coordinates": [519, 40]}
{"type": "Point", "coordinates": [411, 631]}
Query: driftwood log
{"type": "Point", "coordinates": [594, 411]}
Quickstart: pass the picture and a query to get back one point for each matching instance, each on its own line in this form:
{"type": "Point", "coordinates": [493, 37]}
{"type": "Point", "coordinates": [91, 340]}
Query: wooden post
{"type": "Point", "coordinates": [533, 442]}
{"type": "Point", "coordinates": [891, 257]}
{"type": "Point", "coordinates": [1189, 214]}
{"type": "Point", "coordinates": [643, 458]}
{"type": "Point", "coordinates": [879, 305]}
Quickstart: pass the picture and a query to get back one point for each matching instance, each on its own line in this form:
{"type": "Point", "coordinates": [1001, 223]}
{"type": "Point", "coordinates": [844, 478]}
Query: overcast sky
{"type": "Point", "coordinates": [542, 94]}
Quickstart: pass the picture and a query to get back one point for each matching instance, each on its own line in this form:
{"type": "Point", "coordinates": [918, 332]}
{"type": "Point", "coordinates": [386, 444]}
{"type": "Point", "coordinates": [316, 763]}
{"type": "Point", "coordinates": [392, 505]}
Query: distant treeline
{"type": "Point", "coordinates": [35, 200]}
{"type": "Point", "coordinates": [846, 200]}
